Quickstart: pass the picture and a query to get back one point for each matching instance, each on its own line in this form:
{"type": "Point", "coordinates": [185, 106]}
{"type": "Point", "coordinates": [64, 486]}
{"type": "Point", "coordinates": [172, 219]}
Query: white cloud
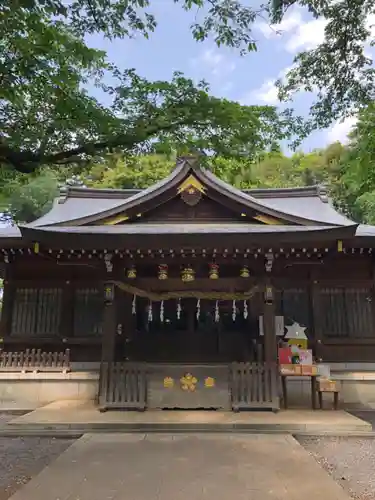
{"type": "Point", "coordinates": [289, 23]}
{"type": "Point", "coordinates": [266, 94]}
{"type": "Point", "coordinates": [214, 62]}
{"type": "Point", "coordinates": [340, 130]}
{"type": "Point", "coordinates": [307, 36]}
{"type": "Point", "coordinates": [296, 33]}
{"type": "Point", "coordinates": [370, 24]}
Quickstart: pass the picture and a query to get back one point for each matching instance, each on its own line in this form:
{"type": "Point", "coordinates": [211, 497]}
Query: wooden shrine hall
{"type": "Point", "coordinates": [183, 291]}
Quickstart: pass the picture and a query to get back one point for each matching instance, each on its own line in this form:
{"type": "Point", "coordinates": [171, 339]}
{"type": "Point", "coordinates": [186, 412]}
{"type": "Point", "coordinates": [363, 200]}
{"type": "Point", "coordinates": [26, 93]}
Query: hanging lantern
{"type": "Point", "coordinates": [131, 273]}
{"type": "Point", "coordinates": [245, 272]}
{"type": "Point", "coordinates": [163, 272]}
{"type": "Point", "coordinates": [188, 274]}
{"type": "Point", "coordinates": [213, 271]}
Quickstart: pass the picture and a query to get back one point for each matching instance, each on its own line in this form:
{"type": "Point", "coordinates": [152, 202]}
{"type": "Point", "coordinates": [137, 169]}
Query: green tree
{"type": "Point", "coordinates": [46, 117]}
{"type": "Point", "coordinates": [27, 197]}
{"type": "Point", "coordinates": [355, 191]}
{"type": "Point", "coordinates": [32, 197]}
{"type": "Point", "coordinates": [124, 173]}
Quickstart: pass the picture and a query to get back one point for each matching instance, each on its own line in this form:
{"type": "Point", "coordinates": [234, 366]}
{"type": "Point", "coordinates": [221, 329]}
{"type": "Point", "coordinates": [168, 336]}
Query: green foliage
{"type": "Point", "coordinates": [28, 198]}
{"type": "Point", "coordinates": [126, 173]}
{"type": "Point", "coordinates": [47, 118]}
{"type": "Point", "coordinates": [356, 190]}
{"type": "Point", "coordinates": [340, 69]}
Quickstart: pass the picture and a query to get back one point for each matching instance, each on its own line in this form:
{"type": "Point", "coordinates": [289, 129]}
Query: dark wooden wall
{"type": "Point", "coordinates": [58, 306]}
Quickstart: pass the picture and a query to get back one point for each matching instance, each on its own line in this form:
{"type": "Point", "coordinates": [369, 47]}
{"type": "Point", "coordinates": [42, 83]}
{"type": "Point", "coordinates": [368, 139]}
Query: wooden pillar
{"type": "Point", "coordinates": [270, 342]}
{"type": "Point", "coordinates": [316, 323]}
{"type": "Point", "coordinates": [7, 306]}
{"type": "Point", "coordinates": [109, 324]}
{"type": "Point", "coordinates": [126, 322]}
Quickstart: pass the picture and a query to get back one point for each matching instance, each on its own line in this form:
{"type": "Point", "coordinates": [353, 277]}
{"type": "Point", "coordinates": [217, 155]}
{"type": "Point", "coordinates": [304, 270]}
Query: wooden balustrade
{"type": "Point", "coordinates": [122, 386]}
{"type": "Point", "coordinates": [254, 385]}
{"type": "Point", "coordinates": [35, 360]}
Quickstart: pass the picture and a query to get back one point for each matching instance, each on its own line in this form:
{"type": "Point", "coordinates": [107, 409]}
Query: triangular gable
{"type": "Point", "coordinates": [196, 189]}
{"type": "Point", "coordinates": [192, 184]}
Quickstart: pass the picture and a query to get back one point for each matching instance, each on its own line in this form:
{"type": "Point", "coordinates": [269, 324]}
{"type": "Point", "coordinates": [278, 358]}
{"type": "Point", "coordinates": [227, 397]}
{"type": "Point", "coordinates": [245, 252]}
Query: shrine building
{"type": "Point", "coordinates": [178, 295]}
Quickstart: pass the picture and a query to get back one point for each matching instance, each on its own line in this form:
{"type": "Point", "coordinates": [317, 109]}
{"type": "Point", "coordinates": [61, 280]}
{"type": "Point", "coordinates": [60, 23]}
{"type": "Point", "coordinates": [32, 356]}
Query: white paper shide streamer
{"type": "Point", "coordinates": [150, 312]}
{"type": "Point", "coordinates": [162, 311]}
{"type": "Point", "coordinates": [178, 309]}
{"type": "Point", "coordinates": [217, 312]}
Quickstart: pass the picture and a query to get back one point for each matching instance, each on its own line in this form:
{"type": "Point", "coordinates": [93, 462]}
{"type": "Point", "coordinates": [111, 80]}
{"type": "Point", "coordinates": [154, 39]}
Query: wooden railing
{"type": "Point", "coordinates": [35, 360]}
{"type": "Point", "coordinates": [254, 385]}
{"type": "Point", "coordinates": [122, 386]}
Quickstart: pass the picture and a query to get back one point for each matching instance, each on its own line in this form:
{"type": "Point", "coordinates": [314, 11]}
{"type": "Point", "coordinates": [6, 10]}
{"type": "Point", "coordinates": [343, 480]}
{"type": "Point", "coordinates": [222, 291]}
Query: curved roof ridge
{"type": "Point", "coordinates": [81, 209]}
{"type": "Point", "coordinates": [287, 192]}
{"type": "Point", "coordinates": [258, 203]}
{"type": "Point", "coordinates": [107, 193]}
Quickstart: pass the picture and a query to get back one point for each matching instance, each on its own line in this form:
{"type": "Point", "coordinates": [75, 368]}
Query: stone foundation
{"type": "Point", "coordinates": [357, 386]}
{"type": "Point", "coordinates": [33, 389]}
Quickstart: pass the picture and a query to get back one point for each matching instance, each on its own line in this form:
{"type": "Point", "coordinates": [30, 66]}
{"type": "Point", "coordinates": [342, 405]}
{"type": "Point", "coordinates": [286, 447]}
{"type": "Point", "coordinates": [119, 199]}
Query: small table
{"type": "Point", "coordinates": [313, 388]}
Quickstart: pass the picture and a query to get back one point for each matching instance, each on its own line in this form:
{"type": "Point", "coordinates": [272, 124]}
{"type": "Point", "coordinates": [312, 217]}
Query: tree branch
{"type": "Point", "coordinates": [28, 161]}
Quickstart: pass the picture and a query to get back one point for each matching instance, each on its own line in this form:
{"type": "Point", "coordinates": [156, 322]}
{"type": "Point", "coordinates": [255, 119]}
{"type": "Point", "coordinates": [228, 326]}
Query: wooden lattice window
{"type": "Point", "coordinates": [293, 304]}
{"type": "Point", "coordinates": [36, 312]}
{"type": "Point", "coordinates": [88, 312]}
{"type": "Point", "coordinates": [346, 312]}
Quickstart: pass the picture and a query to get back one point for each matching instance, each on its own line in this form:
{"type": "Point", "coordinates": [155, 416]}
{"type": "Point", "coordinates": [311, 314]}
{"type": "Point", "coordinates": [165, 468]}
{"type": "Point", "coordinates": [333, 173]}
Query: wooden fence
{"type": "Point", "coordinates": [254, 385]}
{"type": "Point", "coordinates": [122, 386]}
{"type": "Point", "coordinates": [35, 360]}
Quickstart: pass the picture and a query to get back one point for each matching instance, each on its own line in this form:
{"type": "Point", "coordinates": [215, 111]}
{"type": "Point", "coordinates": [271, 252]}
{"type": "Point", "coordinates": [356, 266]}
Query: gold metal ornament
{"type": "Point", "coordinates": [131, 273]}
{"type": "Point", "coordinates": [188, 274]}
{"type": "Point", "coordinates": [168, 382]}
{"type": "Point", "coordinates": [209, 382]}
{"type": "Point", "coordinates": [213, 271]}
{"type": "Point", "coordinates": [245, 272]}
{"type": "Point", "coordinates": [188, 382]}
{"type": "Point", "coordinates": [163, 272]}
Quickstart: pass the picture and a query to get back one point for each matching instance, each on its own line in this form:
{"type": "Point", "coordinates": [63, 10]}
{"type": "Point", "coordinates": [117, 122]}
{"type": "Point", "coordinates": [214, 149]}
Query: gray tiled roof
{"type": "Point", "coordinates": [183, 228]}
{"type": "Point", "coordinates": [302, 205]}
{"type": "Point", "coordinates": [308, 206]}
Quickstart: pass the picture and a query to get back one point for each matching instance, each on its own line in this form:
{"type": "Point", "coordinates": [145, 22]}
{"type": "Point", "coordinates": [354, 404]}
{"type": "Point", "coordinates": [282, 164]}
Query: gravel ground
{"type": "Point", "coordinates": [350, 461]}
{"type": "Point", "coordinates": [23, 458]}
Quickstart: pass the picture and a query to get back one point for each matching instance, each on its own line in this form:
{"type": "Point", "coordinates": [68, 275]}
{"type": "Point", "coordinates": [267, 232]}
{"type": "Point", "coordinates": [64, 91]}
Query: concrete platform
{"type": "Point", "coordinates": [181, 467]}
{"type": "Point", "coordinates": [84, 417]}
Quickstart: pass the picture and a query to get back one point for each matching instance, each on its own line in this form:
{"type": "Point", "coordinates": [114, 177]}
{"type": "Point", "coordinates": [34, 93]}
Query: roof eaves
{"type": "Point", "coordinates": [251, 201]}
{"type": "Point", "coordinates": [293, 192]}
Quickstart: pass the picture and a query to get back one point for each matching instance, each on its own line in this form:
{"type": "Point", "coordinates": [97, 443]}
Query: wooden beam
{"type": "Point", "coordinates": [7, 309]}
{"type": "Point", "coordinates": [315, 318]}
{"type": "Point", "coordinates": [109, 331]}
{"type": "Point", "coordinates": [270, 342]}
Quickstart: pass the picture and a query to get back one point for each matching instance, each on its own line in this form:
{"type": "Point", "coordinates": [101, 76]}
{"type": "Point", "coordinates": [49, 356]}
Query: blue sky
{"type": "Point", "coordinates": [247, 79]}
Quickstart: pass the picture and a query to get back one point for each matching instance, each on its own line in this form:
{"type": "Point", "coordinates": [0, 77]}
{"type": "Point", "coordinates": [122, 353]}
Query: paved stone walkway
{"type": "Point", "coordinates": [84, 416]}
{"type": "Point", "coordinates": [183, 467]}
